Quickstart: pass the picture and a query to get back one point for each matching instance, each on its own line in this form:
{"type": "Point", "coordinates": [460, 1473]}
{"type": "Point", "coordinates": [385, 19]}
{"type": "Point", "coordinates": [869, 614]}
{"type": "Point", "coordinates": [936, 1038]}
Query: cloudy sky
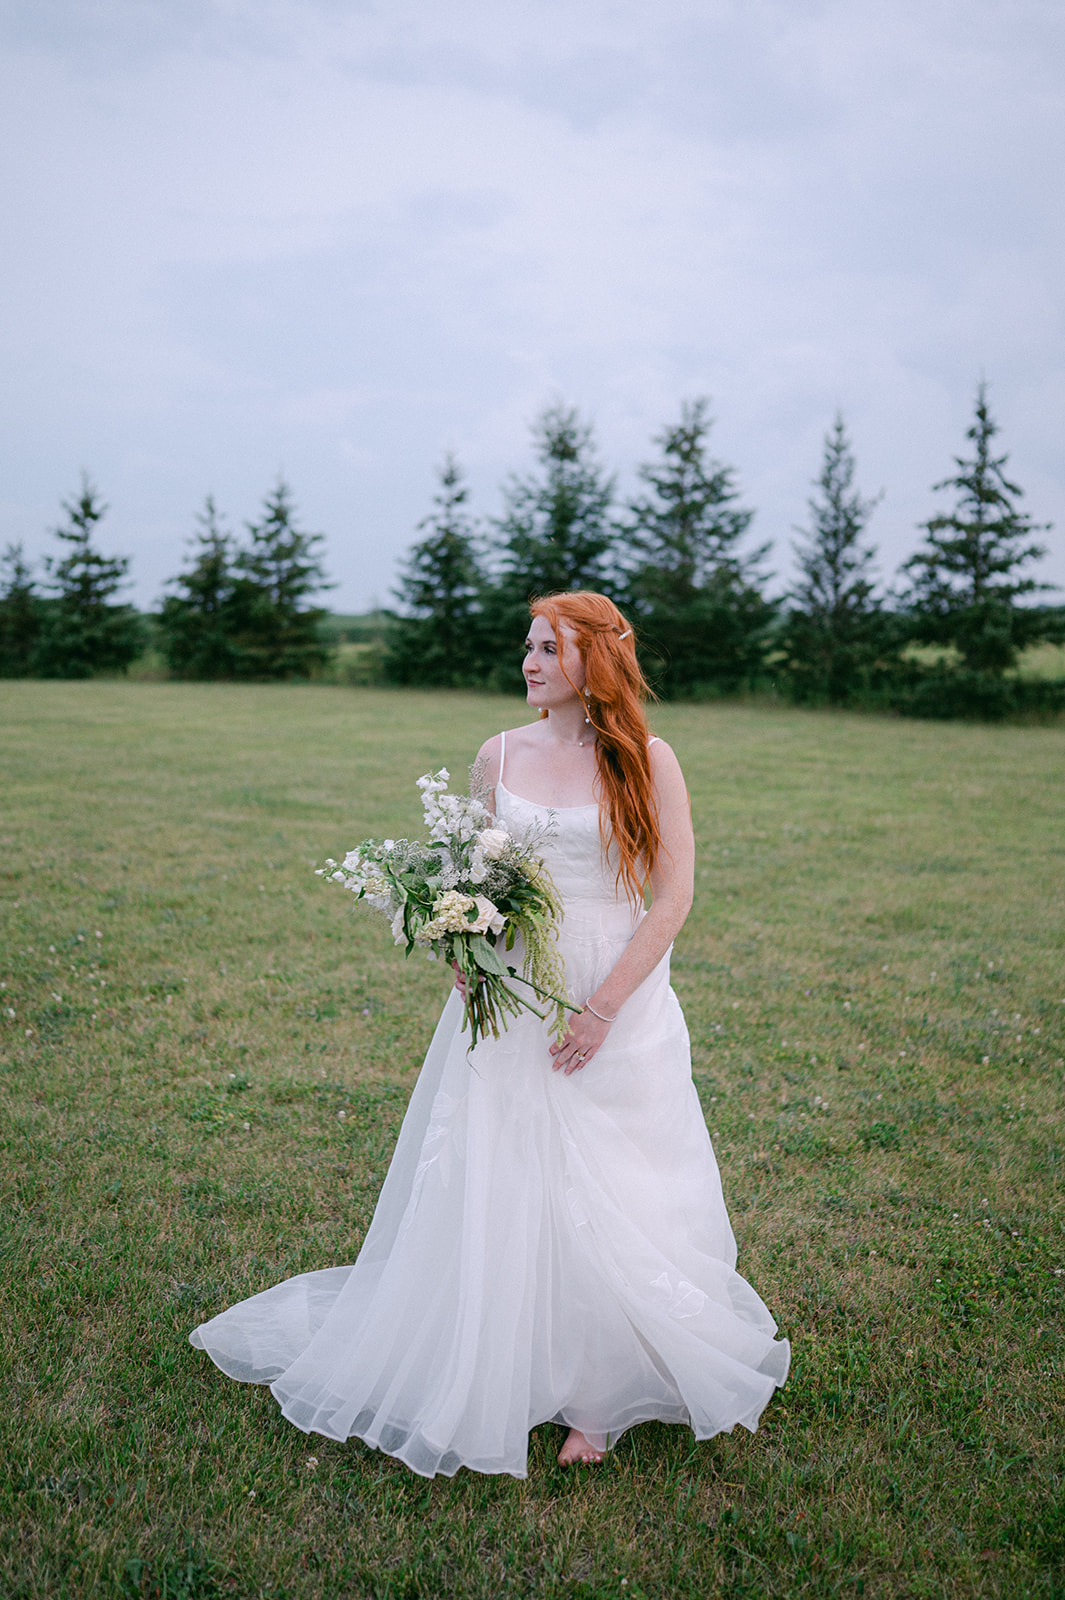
{"type": "Point", "coordinates": [335, 238]}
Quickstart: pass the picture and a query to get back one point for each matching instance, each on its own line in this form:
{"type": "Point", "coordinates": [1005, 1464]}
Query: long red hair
{"type": "Point", "coordinates": [615, 689]}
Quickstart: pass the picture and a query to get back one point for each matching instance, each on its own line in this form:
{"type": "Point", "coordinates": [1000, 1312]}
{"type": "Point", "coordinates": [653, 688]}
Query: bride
{"type": "Point", "coordinates": [551, 1241]}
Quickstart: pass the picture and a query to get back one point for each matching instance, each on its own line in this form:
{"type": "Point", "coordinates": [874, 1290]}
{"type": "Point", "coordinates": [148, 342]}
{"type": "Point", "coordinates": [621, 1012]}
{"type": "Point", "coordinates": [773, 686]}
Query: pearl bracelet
{"type": "Point", "coordinates": [589, 1007]}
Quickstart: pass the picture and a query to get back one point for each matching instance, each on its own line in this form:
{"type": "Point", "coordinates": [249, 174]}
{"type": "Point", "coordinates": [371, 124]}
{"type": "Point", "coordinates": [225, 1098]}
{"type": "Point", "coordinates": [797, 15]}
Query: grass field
{"type": "Point", "coordinates": [207, 1053]}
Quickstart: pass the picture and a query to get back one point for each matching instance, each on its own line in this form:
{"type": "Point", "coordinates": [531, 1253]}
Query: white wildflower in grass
{"type": "Point", "coordinates": [468, 895]}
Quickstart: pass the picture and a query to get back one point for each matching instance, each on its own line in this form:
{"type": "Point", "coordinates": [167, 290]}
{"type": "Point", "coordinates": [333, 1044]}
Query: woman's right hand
{"type": "Point", "coordinates": [460, 979]}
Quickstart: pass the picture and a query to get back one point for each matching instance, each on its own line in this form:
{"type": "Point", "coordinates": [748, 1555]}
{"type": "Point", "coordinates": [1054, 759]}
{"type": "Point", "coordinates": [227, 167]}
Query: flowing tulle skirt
{"type": "Point", "coordinates": [544, 1248]}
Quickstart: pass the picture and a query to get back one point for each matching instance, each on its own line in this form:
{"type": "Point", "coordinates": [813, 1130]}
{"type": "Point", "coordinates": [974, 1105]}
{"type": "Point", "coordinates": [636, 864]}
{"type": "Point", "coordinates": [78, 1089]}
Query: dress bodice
{"type": "Point", "coordinates": [598, 918]}
{"type": "Point", "coordinates": [573, 849]}
{"type": "Point", "coordinates": [584, 870]}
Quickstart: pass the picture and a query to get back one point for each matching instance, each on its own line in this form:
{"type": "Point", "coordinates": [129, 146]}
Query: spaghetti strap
{"type": "Point", "coordinates": [502, 754]}
{"type": "Point", "coordinates": [654, 739]}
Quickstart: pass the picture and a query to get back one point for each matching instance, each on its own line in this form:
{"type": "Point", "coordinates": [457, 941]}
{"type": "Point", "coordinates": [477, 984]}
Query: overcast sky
{"type": "Point", "coordinates": [335, 239]}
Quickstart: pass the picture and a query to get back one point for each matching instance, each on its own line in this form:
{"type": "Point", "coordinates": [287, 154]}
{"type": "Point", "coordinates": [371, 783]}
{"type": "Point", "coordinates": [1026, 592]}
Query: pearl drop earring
{"type": "Point", "coordinates": [587, 721]}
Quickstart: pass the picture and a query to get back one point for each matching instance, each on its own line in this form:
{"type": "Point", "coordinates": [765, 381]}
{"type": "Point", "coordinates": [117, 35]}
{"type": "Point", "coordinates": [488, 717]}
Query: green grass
{"type": "Point", "coordinates": [210, 1055]}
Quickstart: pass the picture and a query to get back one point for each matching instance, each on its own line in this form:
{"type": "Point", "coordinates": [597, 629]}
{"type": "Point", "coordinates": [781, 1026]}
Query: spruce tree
{"type": "Point", "coordinates": [435, 638]}
{"type": "Point", "coordinates": [837, 638]}
{"type": "Point", "coordinates": [555, 531]}
{"type": "Point", "coordinates": [199, 620]}
{"type": "Point", "coordinates": [20, 615]}
{"type": "Point", "coordinates": [699, 599]}
{"type": "Point", "coordinates": [84, 630]}
{"type": "Point", "coordinates": [275, 632]}
{"type": "Point", "coordinates": [555, 534]}
{"type": "Point", "coordinates": [967, 578]}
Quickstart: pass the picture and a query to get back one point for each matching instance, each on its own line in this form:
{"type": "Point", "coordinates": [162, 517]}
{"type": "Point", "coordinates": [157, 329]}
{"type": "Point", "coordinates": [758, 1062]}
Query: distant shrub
{"type": "Point", "coordinates": [978, 696]}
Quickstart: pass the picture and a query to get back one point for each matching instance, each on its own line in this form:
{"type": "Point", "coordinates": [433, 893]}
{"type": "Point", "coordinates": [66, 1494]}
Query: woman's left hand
{"type": "Point", "coordinates": [583, 1037]}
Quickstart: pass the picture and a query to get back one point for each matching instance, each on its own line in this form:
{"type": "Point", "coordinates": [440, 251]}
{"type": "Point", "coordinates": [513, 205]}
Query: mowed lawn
{"type": "Point", "coordinates": [207, 1052]}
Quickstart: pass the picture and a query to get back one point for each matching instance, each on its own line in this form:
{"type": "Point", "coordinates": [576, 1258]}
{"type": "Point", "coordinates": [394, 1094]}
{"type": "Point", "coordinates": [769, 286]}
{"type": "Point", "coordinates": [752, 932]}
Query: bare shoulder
{"type": "Point", "coordinates": [486, 761]}
{"type": "Point", "coordinates": [665, 768]}
{"type": "Point", "coordinates": [529, 735]}
{"type": "Point", "coordinates": [490, 754]}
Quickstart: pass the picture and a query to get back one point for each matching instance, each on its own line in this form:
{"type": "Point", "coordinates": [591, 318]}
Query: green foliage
{"type": "Point", "coordinates": [20, 615]}
{"type": "Point", "coordinates": [959, 692]}
{"type": "Point", "coordinates": [840, 644]}
{"type": "Point", "coordinates": [714, 643]}
{"type": "Point", "coordinates": [241, 612]}
{"type": "Point", "coordinates": [967, 578]}
{"type": "Point", "coordinates": [675, 560]}
{"type": "Point", "coordinates": [877, 912]}
{"type": "Point", "coordinates": [83, 630]}
{"type": "Point", "coordinates": [555, 534]}
{"type": "Point", "coordinates": [704, 620]}
{"type": "Point", "coordinates": [275, 633]}
{"type": "Point", "coordinates": [199, 620]}
{"type": "Point", "coordinates": [435, 640]}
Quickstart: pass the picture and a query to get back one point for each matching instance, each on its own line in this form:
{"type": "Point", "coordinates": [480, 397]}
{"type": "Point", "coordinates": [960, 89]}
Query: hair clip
{"type": "Point", "coordinates": [624, 635]}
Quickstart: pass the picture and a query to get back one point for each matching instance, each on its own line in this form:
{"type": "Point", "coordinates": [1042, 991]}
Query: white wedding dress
{"type": "Point", "coordinates": [544, 1248]}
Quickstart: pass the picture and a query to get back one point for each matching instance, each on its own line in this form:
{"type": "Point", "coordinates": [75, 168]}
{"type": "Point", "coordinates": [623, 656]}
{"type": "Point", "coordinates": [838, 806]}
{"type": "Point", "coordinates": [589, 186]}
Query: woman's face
{"type": "Point", "coordinates": [546, 685]}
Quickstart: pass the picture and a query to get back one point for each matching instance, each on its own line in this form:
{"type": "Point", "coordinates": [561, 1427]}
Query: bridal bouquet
{"type": "Point", "coordinates": [466, 895]}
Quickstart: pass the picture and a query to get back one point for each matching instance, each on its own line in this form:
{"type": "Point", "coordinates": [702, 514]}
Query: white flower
{"type": "Point", "coordinates": [450, 872]}
{"type": "Point", "coordinates": [375, 887]}
{"type": "Point", "coordinates": [489, 918]}
{"type": "Point", "coordinates": [493, 841]}
{"type": "Point", "coordinates": [450, 915]}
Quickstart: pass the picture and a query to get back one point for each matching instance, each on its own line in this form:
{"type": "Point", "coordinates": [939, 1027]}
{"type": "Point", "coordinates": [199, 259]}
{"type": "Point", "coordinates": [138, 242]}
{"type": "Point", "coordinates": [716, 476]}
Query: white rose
{"type": "Point", "coordinates": [493, 841]}
{"type": "Point", "coordinates": [489, 917]}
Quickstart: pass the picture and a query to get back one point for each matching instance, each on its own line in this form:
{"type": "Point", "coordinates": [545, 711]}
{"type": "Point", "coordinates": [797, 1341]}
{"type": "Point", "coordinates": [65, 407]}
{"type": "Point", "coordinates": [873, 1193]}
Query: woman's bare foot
{"type": "Point", "coordinates": [577, 1448]}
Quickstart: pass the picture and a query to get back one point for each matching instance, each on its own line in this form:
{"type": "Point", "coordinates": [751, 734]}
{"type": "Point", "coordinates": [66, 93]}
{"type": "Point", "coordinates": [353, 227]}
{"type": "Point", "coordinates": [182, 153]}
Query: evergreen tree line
{"type": "Point", "coordinates": [673, 556]}
{"type": "Point", "coordinates": [673, 559]}
{"type": "Point", "coordinates": [238, 610]}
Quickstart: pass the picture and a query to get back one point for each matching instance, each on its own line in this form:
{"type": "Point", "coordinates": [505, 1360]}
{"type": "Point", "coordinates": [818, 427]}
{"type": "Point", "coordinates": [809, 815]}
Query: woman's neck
{"type": "Point", "coordinates": [569, 725]}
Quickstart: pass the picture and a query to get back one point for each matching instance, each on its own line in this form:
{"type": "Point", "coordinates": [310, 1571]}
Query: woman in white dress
{"type": "Point", "coordinates": [551, 1241]}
